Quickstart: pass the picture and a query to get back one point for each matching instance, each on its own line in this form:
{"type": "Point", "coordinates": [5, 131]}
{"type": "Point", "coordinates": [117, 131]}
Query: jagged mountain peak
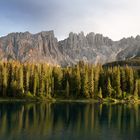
{"type": "Point", "coordinates": [44, 47]}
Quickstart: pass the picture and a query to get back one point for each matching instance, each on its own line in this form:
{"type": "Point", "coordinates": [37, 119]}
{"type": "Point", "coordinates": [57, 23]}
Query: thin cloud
{"type": "Point", "coordinates": [115, 19]}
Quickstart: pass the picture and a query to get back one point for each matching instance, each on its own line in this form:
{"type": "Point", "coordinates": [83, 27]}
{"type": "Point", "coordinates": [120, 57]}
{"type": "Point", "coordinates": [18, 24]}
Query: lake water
{"type": "Point", "coordinates": [69, 121]}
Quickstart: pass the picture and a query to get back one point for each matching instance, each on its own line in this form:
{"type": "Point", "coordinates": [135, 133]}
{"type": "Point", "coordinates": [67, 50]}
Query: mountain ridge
{"type": "Point", "coordinates": [45, 47]}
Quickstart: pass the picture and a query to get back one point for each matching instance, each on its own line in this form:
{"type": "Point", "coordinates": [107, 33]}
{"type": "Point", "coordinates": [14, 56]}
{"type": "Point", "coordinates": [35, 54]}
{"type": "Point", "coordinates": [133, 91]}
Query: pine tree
{"type": "Point", "coordinates": [75, 81]}
{"type": "Point", "coordinates": [91, 83]}
{"type": "Point", "coordinates": [27, 77]}
{"type": "Point", "coordinates": [118, 85]}
{"type": "Point", "coordinates": [96, 79]}
{"type": "Point", "coordinates": [48, 88]}
{"type": "Point", "coordinates": [138, 87]}
{"type": "Point", "coordinates": [109, 88]}
{"type": "Point", "coordinates": [78, 81]}
{"type": "Point", "coordinates": [14, 88]}
{"type": "Point", "coordinates": [100, 93]}
{"type": "Point", "coordinates": [103, 79]}
{"type": "Point", "coordinates": [52, 86]}
{"type": "Point", "coordinates": [84, 84]}
{"type": "Point", "coordinates": [67, 89]}
{"type": "Point", "coordinates": [131, 81]}
{"type": "Point", "coordinates": [4, 79]}
{"type": "Point", "coordinates": [136, 90]}
{"type": "Point", "coordinates": [41, 84]}
{"type": "Point", "coordinates": [35, 83]}
{"type": "Point", "coordinates": [123, 80]}
{"type": "Point", "coordinates": [57, 74]}
{"type": "Point", "coordinates": [20, 80]}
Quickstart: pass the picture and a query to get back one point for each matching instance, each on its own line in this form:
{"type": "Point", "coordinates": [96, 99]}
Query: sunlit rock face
{"type": "Point", "coordinates": [26, 47]}
{"type": "Point", "coordinates": [44, 47]}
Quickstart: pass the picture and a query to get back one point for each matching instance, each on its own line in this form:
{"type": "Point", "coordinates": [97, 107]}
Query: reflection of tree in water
{"type": "Point", "coordinates": [47, 120]}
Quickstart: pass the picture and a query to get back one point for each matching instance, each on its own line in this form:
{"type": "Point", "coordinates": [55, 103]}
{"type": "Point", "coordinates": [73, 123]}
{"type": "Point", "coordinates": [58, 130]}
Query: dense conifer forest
{"type": "Point", "coordinates": [133, 62]}
{"type": "Point", "coordinates": [79, 81]}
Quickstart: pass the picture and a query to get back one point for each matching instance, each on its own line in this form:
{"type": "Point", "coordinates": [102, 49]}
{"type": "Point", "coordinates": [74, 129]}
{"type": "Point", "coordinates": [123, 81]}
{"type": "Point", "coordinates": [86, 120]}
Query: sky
{"type": "Point", "coordinates": [113, 18]}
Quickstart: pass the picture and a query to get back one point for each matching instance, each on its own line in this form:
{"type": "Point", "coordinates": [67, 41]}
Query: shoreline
{"type": "Point", "coordinates": [56, 100]}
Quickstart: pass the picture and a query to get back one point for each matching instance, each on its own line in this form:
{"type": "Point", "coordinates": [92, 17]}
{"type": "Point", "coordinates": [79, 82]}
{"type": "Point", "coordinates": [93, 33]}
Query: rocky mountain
{"type": "Point", "coordinates": [44, 47]}
{"type": "Point", "coordinates": [26, 47]}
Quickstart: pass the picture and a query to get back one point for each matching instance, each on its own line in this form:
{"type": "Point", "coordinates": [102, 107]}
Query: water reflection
{"type": "Point", "coordinates": [69, 121]}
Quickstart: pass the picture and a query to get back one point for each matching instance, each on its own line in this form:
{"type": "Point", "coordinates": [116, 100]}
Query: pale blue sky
{"type": "Point", "coordinates": [113, 18]}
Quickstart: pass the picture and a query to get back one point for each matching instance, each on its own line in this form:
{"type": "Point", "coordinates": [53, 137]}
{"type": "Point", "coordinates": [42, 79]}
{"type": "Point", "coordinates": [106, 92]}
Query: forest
{"type": "Point", "coordinates": [133, 62]}
{"type": "Point", "coordinates": [79, 81]}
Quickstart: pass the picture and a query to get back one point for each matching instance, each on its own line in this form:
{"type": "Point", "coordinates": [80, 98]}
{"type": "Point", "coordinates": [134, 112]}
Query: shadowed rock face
{"type": "Point", "coordinates": [44, 47]}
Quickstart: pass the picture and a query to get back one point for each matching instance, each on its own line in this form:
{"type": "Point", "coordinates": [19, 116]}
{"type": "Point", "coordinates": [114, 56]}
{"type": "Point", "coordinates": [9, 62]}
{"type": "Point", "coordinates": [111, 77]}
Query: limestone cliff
{"type": "Point", "coordinates": [44, 47]}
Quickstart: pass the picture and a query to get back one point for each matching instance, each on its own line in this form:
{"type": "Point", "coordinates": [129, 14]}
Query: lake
{"type": "Point", "coordinates": [69, 121]}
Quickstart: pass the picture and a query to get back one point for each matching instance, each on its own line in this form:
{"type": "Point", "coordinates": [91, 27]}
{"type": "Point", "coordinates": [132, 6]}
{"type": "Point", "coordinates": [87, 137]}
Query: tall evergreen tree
{"type": "Point", "coordinates": [41, 84]}
{"type": "Point", "coordinates": [35, 84]}
{"type": "Point", "coordinates": [4, 79]}
{"type": "Point", "coordinates": [136, 90]}
{"type": "Point", "coordinates": [138, 87]}
{"type": "Point", "coordinates": [20, 80]}
{"type": "Point", "coordinates": [123, 80]}
{"type": "Point", "coordinates": [27, 79]}
{"type": "Point", "coordinates": [109, 88]}
{"type": "Point", "coordinates": [118, 84]}
{"type": "Point", "coordinates": [91, 82]}
{"type": "Point", "coordinates": [96, 79]}
{"type": "Point", "coordinates": [100, 93]}
{"type": "Point", "coordinates": [84, 84]}
{"type": "Point", "coordinates": [67, 89]}
{"type": "Point", "coordinates": [131, 81]}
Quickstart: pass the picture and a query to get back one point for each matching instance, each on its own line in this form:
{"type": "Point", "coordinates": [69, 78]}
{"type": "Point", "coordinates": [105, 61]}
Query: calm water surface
{"type": "Point", "coordinates": [69, 121]}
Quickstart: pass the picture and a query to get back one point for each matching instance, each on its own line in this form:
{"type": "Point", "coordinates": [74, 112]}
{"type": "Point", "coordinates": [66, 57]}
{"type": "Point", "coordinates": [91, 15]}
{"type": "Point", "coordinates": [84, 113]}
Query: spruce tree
{"type": "Point", "coordinates": [67, 89]}
{"type": "Point", "coordinates": [136, 90]}
{"type": "Point", "coordinates": [4, 79]}
{"type": "Point", "coordinates": [52, 86]}
{"type": "Point", "coordinates": [123, 80]}
{"type": "Point", "coordinates": [84, 84]}
{"type": "Point", "coordinates": [78, 81]}
{"type": "Point", "coordinates": [20, 80]}
{"type": "Point", "coordinates": [27, 77]}
{"type": "Point", "coordinates": [100, 93]}
{"type": "Point", "coordinates": [35, 83]}
{"type": "Point", "coordinates": [91, 82]}
{"type": "Point", "coordinates": [96, 79]}
{"type": "Point", "coordinates": [131, 80]}
{"type": "Point", "coordinates": [109, 88]}
{"type": "Point", "coordinates": [118, 84]}
{"type": "Point", "coordinates": [138, 87]}
{"type": "Point", "coordinates": [41, 84]}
